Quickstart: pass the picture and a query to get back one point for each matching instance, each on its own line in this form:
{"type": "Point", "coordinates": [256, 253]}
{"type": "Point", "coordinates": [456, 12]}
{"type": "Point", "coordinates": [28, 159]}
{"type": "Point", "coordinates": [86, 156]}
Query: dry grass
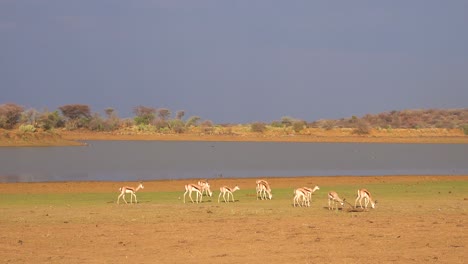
{"type": "Point", "coordinates": [418, 219]}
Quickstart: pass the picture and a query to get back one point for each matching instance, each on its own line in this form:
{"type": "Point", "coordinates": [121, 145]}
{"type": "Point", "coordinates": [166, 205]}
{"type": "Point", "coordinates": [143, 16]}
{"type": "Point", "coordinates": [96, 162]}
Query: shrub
{"type": "Point", "coordinates": [146, 128]}
{"type": "Point", "coordinates": [258, 127]}
{"type": "Point", "coordinates": [10, 114]}
{"type": "Point", "coordinates": [192, 121]}
{"type": "Point", "coordinates": [362, 127]}
{"type": "Point", "coordinates": [144, 115]}
{"type": "Point", "coordinates": [298, 126]}
{"type": "Point", "coordinates": [50, 120]}
{"type": "Point", "coordinates": [276, 123]}
{"type": "Point", "coordinates": [27, 128]}
{"type": "Point", "coordinates": [465, 129]}
{"type": "Point", "coordinates": [177, 126]}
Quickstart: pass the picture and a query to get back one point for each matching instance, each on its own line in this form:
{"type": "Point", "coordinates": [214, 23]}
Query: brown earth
{"type": "Point", "coordinates": [413, 229]}
{"type": "Point", "coordinates": [240, 133]}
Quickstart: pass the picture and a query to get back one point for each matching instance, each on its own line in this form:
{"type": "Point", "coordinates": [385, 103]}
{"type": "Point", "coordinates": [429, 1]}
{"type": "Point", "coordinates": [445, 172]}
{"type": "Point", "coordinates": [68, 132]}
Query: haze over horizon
{"type": "Point", "coordinates": [236, 61]}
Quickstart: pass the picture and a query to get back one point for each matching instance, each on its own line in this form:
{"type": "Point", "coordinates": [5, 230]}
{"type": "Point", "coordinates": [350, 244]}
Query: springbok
{"type": "Point", "coordinates": [189, 188]}
{"type": "Point", "coordinates": [366, 195]}
{"type": "Point", "coordinates": [206, 187]}
{"type": "Point", "coordinates": [333, 198]}
{"type": "Point", "coordinates": [263, 188]}
{"type": "Point", "coordinates": [223, 190]}
{"type": "Point", "coordinates": [305, 193]}
{"type": "Point", "coordinates": [131, 190]}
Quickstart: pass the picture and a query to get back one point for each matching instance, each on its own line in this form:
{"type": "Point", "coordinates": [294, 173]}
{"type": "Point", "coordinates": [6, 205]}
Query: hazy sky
{"type": "Point", "coordinates": [236, 61]}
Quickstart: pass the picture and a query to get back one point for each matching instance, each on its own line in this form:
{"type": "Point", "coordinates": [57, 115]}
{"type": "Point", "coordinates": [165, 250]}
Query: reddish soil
{"type": "Point", "coordinates": [418, 230]}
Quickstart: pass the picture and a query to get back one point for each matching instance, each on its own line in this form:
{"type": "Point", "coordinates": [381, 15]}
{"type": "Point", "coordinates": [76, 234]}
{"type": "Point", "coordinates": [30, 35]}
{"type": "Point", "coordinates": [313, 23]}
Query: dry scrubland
{"type": "Point", "coordinates": [419, 219]}
{"type": "Point", "coordinates": [237, 133]}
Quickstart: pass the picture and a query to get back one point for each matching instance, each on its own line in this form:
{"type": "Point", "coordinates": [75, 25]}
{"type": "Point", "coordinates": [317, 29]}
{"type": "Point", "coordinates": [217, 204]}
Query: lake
{"type": "Point", "coordinates": [154, 160]}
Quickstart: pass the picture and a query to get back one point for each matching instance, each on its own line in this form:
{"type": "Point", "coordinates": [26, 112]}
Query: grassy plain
{"type": "Point", "coordinates": [418, 219]}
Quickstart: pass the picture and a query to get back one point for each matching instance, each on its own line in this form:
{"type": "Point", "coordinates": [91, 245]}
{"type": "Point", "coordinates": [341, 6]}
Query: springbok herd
{"type": "Point", "coordinates": [302, 196]}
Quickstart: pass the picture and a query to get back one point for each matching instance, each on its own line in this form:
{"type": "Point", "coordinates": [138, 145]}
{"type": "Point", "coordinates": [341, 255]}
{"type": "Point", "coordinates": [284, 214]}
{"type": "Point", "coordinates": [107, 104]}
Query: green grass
{"type": "Point", "coordinates": [281, 196]}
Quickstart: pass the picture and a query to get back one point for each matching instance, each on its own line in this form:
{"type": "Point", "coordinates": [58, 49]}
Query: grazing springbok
{"type": "Point", "coordinates": [333, 198]}
{"type": "Point", "coordinates": [131, 190]}
{"type": "Point", "coordinates": [301, 193]}
{"type": "Point", "coordinates": [206, 187]}
{"type": "Point", "coordinates": [263, 188]}
{"type": "Point", "coordinates": [189, 188]}
{"type": "Point", "coordinates": [304, 193]}
{"type": "Point", "coordinates": [366, 195]}
{"type": "Point", "coordinates": [223, 190]}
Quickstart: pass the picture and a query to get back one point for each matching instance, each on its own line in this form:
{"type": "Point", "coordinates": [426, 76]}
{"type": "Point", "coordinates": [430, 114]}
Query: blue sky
{"type": "Point", "coordinates": [235, 61]}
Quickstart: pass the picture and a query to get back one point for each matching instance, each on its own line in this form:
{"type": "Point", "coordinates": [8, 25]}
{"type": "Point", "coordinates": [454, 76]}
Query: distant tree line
{"type": "Point", "coordinates": [412, 119]}
{"type": "Point", "coordinates": [162, 120]}
{"type": "Point", "coordinates": [80, 116]}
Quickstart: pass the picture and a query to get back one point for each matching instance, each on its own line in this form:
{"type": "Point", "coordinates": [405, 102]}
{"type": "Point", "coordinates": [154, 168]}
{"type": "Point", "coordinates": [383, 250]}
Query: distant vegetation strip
{"type": "Point", "coordinates": [21, 126]}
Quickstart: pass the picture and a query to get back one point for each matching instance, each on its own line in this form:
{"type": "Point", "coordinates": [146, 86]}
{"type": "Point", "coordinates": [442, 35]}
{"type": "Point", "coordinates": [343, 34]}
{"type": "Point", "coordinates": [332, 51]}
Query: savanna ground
{"type": "Point", "coordinates": [418, 219]}
{"type": "Point", "coordinates": [240, 133]}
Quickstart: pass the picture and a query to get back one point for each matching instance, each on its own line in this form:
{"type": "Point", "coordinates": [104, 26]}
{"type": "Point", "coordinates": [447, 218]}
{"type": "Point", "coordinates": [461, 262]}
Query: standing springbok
{"type": "Point", "coordinates": [333, 198]}
{"type": "Point", "coordinates": [263, 188]}
{"type": "Point", "coordinates": [131, 190]}
{"type": "Point", "coordinates": [189, 188]}
{"type": "Point", "coordinates": [223, 190]}
{"type": "Point", "coordinates": [366, 195]}
{"type": "Point", "coordinates": [301, 193]}
{"type": "Point", "coordinates": [206, 187]}
{"type": "Point", "coordinates": [304, 193]}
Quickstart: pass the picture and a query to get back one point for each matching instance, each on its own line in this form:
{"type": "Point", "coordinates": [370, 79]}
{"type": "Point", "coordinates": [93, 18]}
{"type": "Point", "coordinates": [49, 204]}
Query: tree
{"type": "Point", "coordinates": [10, 115]}
{"type": "Point", "coordinates": [180, 114]}
{"type": "Point", "coordinates": [110, 112]}
{"type": "Point", "coordinates": [144, 115]}
{"type": "Point", "coordinates": [164, 113]}
{"type": "Point", "coordinates": [48, 120]}
{"type": "Point", "coordinates": [177, 126]}
{"type": "Point", "coordinates": [192, 121]}
{"type": "Point", "coordinates": [75, 111]}
{"type": "Point", "coordinates": [287, 121]}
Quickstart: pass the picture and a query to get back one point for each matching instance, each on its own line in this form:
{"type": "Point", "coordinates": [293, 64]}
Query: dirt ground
{"type": "Point", "coordinates": [248, 231]}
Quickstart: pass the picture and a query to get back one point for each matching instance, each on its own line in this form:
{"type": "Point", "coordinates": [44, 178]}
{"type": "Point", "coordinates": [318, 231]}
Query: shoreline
{"type": "Point", "coordinates": [177, 184]}
{"type": "Point", "coordinates": [75, 137]}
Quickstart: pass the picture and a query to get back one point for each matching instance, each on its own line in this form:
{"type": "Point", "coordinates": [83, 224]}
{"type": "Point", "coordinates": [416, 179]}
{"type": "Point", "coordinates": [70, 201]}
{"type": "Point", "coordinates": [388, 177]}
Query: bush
{"type": "Point", "coordinates": [10, 115]}
{"type": "Point", "coordinates": [146, 128]}
{"type": "Point", "coordinates": [50, 120]}
{"type": "Point", "coordinates": [27, 128]}
{"type": "Point", "coordinates": [258, 127]}
{"type": "Point", "coordinates": [177, 126]}
{"type": "Point", "coordinates": [362, 127]}
{"type": "Point", "coordinates": [276, 123]}
{"type": "Point", "coordinates": [298, 126]}
{"type": "Point", "coordinates": [464, 128]}
{"type": "Point", "coordinates": [144, 115]}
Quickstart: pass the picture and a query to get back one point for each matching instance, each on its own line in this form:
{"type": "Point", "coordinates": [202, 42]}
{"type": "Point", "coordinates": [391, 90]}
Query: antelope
{"type": "Point", "coordinates": [131, 190]}
{"type": "Point", "coordinates": [189, 188]}
{"type": "Point", "coordinates": [366, 195]}
{"type": "Point", "coordinates": [206, 187]}
{"type": "Point", "coordinates": [305, 193]}
{"type": "Point", "coordinates": [223, 190]}
{"type": "Point", "coordinates": [301, 193]}
{"type": "Point", "coordinates": [333, 198]}
{"type": "Point", "coordinates": [263, 188]}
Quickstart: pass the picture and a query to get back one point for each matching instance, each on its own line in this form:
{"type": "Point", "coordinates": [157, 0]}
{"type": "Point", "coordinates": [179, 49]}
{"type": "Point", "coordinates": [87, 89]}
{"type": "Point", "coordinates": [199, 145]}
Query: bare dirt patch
{"type": "Point", "coordinates": [414, 228]}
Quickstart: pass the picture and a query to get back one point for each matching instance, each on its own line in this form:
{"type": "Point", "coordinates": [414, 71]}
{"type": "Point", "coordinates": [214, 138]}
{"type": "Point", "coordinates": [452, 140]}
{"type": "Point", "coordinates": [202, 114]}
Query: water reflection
{"type": "Point", "coordinates": [150, 160]}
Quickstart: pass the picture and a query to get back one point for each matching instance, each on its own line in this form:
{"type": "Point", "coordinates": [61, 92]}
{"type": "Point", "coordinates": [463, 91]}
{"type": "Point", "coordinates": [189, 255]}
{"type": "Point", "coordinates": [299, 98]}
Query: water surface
{"type": "Point", "coordinates": [151, 160]}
